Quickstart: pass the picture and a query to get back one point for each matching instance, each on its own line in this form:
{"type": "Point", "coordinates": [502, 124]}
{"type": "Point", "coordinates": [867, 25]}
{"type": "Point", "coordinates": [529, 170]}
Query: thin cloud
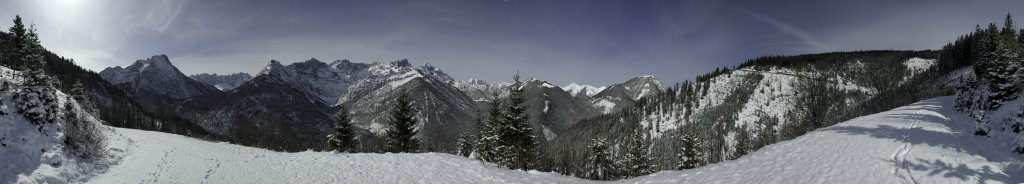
{"type": "Point", "coordinates": [805, 36]}
{"type": "Point", "coordinates": [174, 15]}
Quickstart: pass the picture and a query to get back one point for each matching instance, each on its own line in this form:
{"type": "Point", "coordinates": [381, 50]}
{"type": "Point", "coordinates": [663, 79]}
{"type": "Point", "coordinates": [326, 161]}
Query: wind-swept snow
{"type": "Point", "coordinates": [926, 142]}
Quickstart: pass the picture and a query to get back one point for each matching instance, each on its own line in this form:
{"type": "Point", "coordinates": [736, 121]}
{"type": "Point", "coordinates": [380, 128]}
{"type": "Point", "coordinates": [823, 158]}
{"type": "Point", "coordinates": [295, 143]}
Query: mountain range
{"type": "Point", "coordinates": [295, 103]}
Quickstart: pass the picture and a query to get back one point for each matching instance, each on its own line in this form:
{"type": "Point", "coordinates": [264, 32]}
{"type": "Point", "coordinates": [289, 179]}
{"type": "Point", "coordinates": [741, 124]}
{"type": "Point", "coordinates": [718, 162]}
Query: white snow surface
{"type": "Point", "coordinates": [31, 153]}
{"type": "Point", "coordinates": [583, 89]}
{"type": "Point", "coordinates": [155, 157]}
{"type": "Point", "coordinates": [926, 142]}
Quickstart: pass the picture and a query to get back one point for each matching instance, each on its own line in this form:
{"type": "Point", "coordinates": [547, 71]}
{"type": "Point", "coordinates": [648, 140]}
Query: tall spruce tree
{"type": "Point", "coordinates": [23, 46]}
{"type": "Point", "coordinates": [464, 146]}
{"type": "Point", "coordinates": [638, 161]}
{"type": "Point", "coordinates": [487, 135]}
{"type": "Point", "coordinates": [37, 100]}
{"type": "Point", "coordinates": [600, 165]}
{"type": "Point", "coordinates": [689, 156]}
{"type": "Point", "coordinates": [342, 140]}
{"type": "Point", "coordinates": [743, 142]}
{"type": "Point", "coordinates": [517, 148]}
{"type": "Point", "coordinates": [400, 137]}
{"type": "Point", "coordinates": [766, 134]}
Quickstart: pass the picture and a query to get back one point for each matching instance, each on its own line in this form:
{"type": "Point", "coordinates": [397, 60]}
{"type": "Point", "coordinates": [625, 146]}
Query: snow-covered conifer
{"type": "Point", "coordinates": [487, 136]}
{"type": "Point", "coordinates": [342, 139]}
{"type": "Point", "coordinates": [638, 160]}
{"type": "Point", "coordinates": [689, 156]}
{"type": "Point", "coordinates": [400, 137]}
{"type": "Point", "coordinates": [600, 165]}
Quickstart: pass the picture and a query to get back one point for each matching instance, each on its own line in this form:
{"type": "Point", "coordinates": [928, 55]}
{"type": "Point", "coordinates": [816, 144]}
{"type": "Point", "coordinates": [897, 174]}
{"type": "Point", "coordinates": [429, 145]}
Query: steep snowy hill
{"type": "Point", "coordinates": [158, 76]}
{"type": "Point", "coordinates": [616, 97]}
{"type": "Point", "coordinates": [766, 98]}
{"type": "Point", "coordinates": [926, 142]}
{"type": "Point", "coordinates": [222, 82]}
{"type": "Point", "coordinates": [69, 148]}
{"type": "Point", "coordinates": [444, 112]}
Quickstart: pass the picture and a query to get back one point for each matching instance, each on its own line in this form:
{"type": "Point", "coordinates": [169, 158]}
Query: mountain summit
{"type": "Point", "coordinates": [156, 75]}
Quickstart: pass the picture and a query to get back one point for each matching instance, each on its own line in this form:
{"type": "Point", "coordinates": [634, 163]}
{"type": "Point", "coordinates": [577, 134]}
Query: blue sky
{"type": "Point", "coordinates": [597, 42]}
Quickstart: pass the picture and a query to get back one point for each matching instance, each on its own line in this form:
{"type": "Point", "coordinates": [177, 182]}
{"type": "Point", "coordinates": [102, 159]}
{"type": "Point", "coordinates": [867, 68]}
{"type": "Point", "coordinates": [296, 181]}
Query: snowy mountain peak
{"type": "Point", "coordinates": [643, 86]}
{"type": "Point", "coordinates": [157, 62]}
{"type": "Point", "coordinates": [157, 75]}
{"type": "Point", "coordinates": [429, 70]}
{"type": "Point", "coordinates": [270, 67]}
{"type": "Point", "coordinates": [583, 91]}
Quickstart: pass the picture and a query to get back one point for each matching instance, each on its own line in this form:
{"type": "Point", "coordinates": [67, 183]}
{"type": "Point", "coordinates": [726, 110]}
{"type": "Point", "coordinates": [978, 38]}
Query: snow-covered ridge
{"type": "Point", "coordinates": [222, 82]}
{"type": "Point", "coordinates": [770, 90]}
{"type": "Point", "coordinates": [328, 83]}
{"type": "Point", "coordinates": [582, 90]}
{"type": "Point", "coordinates": [623, 95]}
{"type": "Point", "coordinates": [480, 90]}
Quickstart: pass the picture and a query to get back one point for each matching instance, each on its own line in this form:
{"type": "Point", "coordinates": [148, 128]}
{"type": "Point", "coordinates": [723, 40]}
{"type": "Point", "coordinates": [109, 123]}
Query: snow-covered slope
{"type": "Point", "coordinates": [444, 112]}
{"type": "Point", "coordinates": [322, 82]}
{"type": "Point", "coordinates": [583, 91]}
{"type": "Point", "coordinates": [31, 153]}
{"type": "Point", "coordinates": [158, 76]}
{"type": "Point", "coordinates": [222, 82]}
{"type": "Point", "coordinates": [154, 157]}
{"type": "Point", "coordinates": [616, 97]}
{"type": "Point", "coordinates": [926, 142]}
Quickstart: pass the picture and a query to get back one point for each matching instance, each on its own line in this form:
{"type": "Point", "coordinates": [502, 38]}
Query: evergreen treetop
{"type": "Point", "coordinates": [400, 137]}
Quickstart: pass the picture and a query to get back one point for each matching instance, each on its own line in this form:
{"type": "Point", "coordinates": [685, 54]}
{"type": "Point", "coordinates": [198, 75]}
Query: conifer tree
{"type": "Point", "coordinates": [79, 93]}
{"type": "Point", "coordinates": [600, 165]}
{"type": "Point", "coordinates": [487, 135]}
{"type": "Point", "coordinates": [689, 156]}
{"type": "Point", "coordinates": [638, 161]}
{"type": "Point", "coordinates": [743, 142]}
{"type": "Point", "coordinates": [342, 140]}
{"type": "Point", "coordinates": [400, 137]}
{"type": "Point", "coordinates": [465, 145]}
{"type": "Point", "coordinates": [517, 148]}
{"type": "Point", "coordinates": [24, 48]}
{"type": "Point", "coordinates": [37, 100]}
{"type": "Point", "coordinates": [1020, 37]}
{"type": "Point", "coordinates": [767, 134]}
